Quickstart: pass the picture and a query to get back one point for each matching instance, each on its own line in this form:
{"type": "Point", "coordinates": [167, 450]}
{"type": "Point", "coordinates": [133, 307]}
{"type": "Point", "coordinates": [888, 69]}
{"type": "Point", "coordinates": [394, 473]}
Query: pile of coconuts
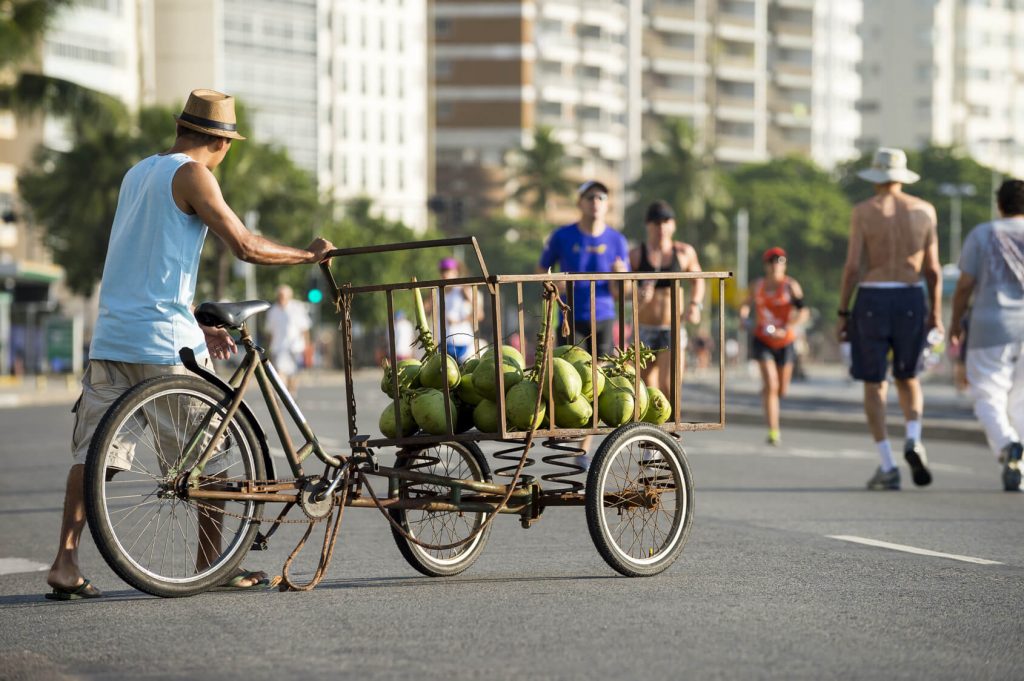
{"type": "Point", "coordinates": [473, 389]}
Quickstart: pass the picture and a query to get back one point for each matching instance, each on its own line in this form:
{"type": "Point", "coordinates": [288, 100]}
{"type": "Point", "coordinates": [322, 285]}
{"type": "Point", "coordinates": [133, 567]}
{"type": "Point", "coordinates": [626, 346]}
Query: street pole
{"type": "Point", "coordinates": [742, 239]}
{"type": "Point", "coordinates": [954, 229]}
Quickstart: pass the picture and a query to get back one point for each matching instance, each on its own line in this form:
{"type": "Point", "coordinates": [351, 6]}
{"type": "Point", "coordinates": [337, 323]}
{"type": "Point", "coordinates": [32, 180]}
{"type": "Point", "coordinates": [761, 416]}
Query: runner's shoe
{"type": "Point", "coordinates": [915, 455]}
{"type": "Point", "coordinates": [1011, 460]}
{"type": "Point", "coordinates": [885, 479]}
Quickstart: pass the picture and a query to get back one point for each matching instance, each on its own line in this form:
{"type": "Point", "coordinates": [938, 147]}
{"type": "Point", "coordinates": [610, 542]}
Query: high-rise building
{"type": "Point", "coordinates": [504, 68]}
{"type": "Point", "coordinates": [755, 78]}
{"type": "Point", "coordinates": [947, 72]}
{"type": "Point", "coordinates": [373, 113]}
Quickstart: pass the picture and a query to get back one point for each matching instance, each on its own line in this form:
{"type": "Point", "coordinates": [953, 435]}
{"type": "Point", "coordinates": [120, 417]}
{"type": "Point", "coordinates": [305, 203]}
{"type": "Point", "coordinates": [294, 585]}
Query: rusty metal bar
{"type": "Point", "coordinates": [436, 506]}
{"type": "Point", "coordinates": [442, 348]}
{"type": "Point", "coordinates": [522, 321]}
{"type": "Point", "coordinates": [241, 496]}
{"type": "Point", "coordinates": [499, 365]}
{"type": "Point", "coordinates": [721, 352]}
{"type": "Point", "coordinates": [636, 352]}
{"type": "Point", "coordinates": [676, 370]}
{"type": "Point", "coordinates": [408, 246]}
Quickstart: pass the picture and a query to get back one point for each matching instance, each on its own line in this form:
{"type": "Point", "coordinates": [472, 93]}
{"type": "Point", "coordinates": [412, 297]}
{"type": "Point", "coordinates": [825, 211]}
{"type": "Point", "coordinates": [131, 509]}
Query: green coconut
{"type": "Point", "coordinates": [626, 382]}
{"type": "Point", "coordinates": [508, 352]}
{"type": "Point", "coordinates": [428, 410]}
{"type": "Point", "coordinates": [575, 414]}
{"type": "Point", "coordinates": [408, 370]}
{"type": "Point", "coordinates": [389, 425]}
{"type": "Point", "coordinates": [466, 392]}
{"type": "Point", "coordinates": [519, 406]}
{"type": "Point", "coordinates": [483, 376]}
{"type": "Point", "coordinates": [566, 381]}
{"type": "Point", "coordinates": [660, 409]}
{"type": "Point", "coordinates": [485, 417]}
{"type": "Point", "coordinates": [615, 406]}
{"type": "Point", "coordinates": [469, 365]}
{"type": "Point", "coordinates": [587, 379]}
{"type": "Point", "coordinates": [572, 354]}
{"type": "Point", "coordinates": [431, 374]}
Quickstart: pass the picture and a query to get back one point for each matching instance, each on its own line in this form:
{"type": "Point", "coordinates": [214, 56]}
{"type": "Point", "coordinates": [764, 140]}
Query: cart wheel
{"type": "Point", "coordinates": [459, 460]}
{"type": "Point", "coordinates": [639, 499]}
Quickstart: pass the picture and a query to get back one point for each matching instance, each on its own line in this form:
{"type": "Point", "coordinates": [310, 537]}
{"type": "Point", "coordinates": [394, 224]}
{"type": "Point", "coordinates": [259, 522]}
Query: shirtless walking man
{"type": "Point", "coordinates": [893, 243]}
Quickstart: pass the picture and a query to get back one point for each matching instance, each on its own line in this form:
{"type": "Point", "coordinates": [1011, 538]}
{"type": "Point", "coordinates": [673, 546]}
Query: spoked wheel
{"type": "Point", "coordinates": [150, 534]}
{"type": "Point", "coordinates": [639, 499]}
{"type": "Point", "coordinates": [459, 460]}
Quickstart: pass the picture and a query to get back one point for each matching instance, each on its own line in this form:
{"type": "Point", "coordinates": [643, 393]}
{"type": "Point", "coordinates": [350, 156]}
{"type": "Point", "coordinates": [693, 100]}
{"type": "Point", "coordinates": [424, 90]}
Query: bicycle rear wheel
{"type": "Point", "coordinates": [149, 532]}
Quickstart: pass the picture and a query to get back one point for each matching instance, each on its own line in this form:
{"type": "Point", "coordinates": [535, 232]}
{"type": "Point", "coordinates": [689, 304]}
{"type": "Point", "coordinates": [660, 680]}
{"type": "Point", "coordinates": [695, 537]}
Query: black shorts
{"type": "Point", "coordinates": [782, 356]}
{"type": "Point", "coordinates": [605, 331]}
{"type": "Point", "coordinates": [885, 319]}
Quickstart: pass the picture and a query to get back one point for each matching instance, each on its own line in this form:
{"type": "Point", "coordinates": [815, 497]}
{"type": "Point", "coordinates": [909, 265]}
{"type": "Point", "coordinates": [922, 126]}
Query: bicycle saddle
{"type": "Point", "coordinates": [229, 314]}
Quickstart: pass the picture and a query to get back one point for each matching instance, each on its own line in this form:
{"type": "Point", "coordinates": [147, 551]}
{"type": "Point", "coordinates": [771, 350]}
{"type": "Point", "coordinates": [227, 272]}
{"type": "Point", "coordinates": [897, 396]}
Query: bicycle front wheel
{"type": "Point", "coordinates": [153, 536]}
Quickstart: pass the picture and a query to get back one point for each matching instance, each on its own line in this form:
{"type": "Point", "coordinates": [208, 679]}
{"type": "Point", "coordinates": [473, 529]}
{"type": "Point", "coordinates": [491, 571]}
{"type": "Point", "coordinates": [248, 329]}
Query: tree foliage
{"type": "Point", "coordinates": [543, 172]}
{"type": "Point", "coordinates": [675, 171]}
{"type": "Point", "coordinates": [936, 165]}
{"type": "Point", "coordinates": [795, 205]}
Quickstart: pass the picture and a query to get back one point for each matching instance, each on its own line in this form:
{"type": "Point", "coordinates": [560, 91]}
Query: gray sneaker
{"type": "Point", "coordinates": [1011, 459]}
{"type": "Point", "coordinates": [915, 455]}
{"type": "Point", "coordinates": [885, 479]}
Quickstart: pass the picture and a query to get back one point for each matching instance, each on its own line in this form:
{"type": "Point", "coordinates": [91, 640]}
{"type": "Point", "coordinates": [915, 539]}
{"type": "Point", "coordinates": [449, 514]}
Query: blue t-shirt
{"type": "Point", "coordinates": [993, 254]}
{"type": "Point", "coordinates": [576, 252]}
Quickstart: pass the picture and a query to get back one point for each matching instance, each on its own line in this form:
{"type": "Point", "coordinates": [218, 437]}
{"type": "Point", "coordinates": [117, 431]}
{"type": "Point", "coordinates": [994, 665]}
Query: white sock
{"type": "Point", "coordinates": [914, 430]}
{"type": "Point", "coordinates": [885, 452]}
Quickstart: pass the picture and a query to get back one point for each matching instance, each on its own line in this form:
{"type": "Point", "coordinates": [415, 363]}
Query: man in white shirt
{"type": "Point", "coordinates": [288, 325]}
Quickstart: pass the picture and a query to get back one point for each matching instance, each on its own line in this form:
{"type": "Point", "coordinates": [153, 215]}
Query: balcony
{"type": "Point", "coordinates": [796, 4]}
{"type": "Point", "coordinates": [667, 53]}
{"type": "Point", "coordinates": [673, 10]}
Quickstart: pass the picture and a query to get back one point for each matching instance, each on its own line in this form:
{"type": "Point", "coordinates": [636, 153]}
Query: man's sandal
{"type": "Point", "coordinates": [82, 591]}
{"type": "Point", "coordinates": [238, 581]}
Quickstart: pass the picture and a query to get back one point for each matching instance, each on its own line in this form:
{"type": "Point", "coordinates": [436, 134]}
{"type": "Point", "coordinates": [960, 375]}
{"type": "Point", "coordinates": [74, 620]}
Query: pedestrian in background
{"type": "Point", "coordinates": [893, 243]}
{"type": "Point", "coordinates": [589, 245]}
{"type": "Point", "coordinates": [287, 325]}
{"type": "Point", "coordinates": [405, 336]}
{"type": "Point", "coordinates": [661, 253]}
{"type": "Point", "coordinates": [992, 272]}
{"type": "Point", "coordinates": [460, 310]}
{"type": "Point", "coordinates": [165, 205]}
{"type": "Point", "coordinates": [777, 304]}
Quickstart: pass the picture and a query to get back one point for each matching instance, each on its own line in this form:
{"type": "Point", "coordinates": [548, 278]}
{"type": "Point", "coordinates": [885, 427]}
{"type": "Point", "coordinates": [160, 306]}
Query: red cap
{"type": "Point", "coordinates": [773, 252]}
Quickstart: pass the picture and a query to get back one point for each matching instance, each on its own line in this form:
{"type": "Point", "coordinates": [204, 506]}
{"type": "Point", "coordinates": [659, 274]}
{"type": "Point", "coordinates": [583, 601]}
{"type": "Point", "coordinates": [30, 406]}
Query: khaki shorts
{"type": "Point", "coordinates": [103, 382]}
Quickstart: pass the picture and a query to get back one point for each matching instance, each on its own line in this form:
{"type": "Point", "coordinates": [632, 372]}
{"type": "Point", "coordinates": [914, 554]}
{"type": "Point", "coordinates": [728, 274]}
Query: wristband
{"type": "Point", "coordinates": [700, 306]}
{"type": "Point", "coordinates": [843, 313]}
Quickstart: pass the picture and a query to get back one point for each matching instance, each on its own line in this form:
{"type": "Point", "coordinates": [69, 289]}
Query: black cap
{"type": "Point", "coordinates": [590, 184]}
{"type": "Point", "coordinates": [660, 211]}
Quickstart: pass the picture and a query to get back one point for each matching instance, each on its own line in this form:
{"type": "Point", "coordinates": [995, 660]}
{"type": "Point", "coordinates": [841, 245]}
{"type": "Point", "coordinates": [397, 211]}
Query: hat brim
{"type": "Point", "coordinates": [879, 176]}
{"type": "Point", "coordinates": [230, 134]}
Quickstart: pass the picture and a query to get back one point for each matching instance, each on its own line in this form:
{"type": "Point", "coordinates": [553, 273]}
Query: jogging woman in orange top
{"type": "Point", "coordinates": [778, 306]}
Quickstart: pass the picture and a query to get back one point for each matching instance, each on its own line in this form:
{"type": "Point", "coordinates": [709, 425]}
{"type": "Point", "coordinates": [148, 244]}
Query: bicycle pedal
{"type": "Point", "coordinates": [259, 543]}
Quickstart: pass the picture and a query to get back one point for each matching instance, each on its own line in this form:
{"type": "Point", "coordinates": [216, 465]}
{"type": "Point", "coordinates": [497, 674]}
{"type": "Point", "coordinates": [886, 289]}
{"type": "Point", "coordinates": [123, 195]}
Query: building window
{"type": "Point", "coordinates": [444, 111]}
{"type": "Point", "coordinates": [443, 68]}
{"type": "Point", "coordinates": [442, 28]}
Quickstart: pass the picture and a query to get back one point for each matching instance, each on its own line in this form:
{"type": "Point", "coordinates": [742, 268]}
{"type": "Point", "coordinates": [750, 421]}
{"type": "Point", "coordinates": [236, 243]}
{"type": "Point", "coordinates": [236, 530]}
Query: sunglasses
{"type": "Point", "coordinates": [596, 196]}
{"type": "Point", "coordinates": [779, 259]}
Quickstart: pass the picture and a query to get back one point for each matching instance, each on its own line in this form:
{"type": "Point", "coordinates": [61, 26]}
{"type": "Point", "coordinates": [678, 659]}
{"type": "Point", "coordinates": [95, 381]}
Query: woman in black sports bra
{"type": "Point", "coordinates": [660, 253]}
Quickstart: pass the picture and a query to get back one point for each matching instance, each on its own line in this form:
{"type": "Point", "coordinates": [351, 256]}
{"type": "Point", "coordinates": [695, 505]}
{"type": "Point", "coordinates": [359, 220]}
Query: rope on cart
{"type": "Point", "coordinates": [327, 550]}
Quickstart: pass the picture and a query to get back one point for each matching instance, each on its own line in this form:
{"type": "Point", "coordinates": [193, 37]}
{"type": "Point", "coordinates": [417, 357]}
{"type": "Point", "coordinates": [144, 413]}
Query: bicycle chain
{"type": "Point", "coordinates": [279, 521]}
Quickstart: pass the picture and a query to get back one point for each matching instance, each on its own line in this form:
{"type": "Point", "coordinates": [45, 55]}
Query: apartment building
{"type": "Point", "coordinates": [947, 72]}
{"type": "Point", "coordinates": [374, 124]}
{"type": "Point", "coordinates": [755, 78]}
{"type": "Point", "coordinates": [504, 68]}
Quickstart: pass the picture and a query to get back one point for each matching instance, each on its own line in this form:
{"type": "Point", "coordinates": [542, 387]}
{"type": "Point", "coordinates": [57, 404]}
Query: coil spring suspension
{"type": "Point", "coordinates": [413, 460]}
{"type": "Point", "coordinates": [656, 471]}
{"type": "Point", "coordinates": [514, 454]}
{"type": "Point", "coordinates": [566, 459]}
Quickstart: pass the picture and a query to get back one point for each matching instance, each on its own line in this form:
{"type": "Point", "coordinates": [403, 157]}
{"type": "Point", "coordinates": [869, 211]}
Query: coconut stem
{"type": "Point", "coordinates": [425, 338]}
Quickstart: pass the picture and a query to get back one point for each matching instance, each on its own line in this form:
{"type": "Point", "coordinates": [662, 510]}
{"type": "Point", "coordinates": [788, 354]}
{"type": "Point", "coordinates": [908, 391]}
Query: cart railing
{"type": "Point", "coordinates": [493, 289]}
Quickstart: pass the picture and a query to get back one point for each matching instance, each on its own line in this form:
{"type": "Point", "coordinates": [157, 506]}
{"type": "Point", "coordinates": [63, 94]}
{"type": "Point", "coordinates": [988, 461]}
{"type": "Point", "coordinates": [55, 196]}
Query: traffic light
{"type": "Point", "coordinates": [314, 290]}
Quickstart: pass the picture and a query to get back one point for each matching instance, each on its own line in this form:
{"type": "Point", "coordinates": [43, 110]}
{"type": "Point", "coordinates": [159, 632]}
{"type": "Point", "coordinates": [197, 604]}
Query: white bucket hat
{"type": "Point", "coordinates": [889, 165]}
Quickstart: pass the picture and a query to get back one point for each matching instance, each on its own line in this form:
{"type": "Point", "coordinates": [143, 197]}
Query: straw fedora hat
{"type": "Point", "coordinates": [211, 112]}
{"type": "Point", "coordinates": [889, 165]}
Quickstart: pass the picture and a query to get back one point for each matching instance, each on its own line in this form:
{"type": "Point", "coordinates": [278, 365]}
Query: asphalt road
{"type": "Point", "coordinates": [763, 589]}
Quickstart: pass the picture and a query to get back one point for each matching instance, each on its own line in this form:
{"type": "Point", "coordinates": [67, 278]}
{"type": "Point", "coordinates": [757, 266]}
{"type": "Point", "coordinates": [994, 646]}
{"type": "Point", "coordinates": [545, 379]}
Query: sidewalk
{"type": "Point", "coordinates": [825, 400]}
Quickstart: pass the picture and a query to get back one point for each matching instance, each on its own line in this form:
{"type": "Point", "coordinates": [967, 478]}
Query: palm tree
{"type": "Point", "coordinates": [542, 171]}
{"type": "Point", "coordinates": [23, 23]}
{"type": "Point", "coordinates": [675, 171]}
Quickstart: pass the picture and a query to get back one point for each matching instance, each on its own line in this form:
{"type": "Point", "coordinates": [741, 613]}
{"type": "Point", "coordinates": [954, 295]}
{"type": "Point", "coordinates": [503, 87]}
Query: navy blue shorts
{"type": "Point", "coordinates": [885, 319]}
{"type": "Point", "coordinates": [605, 331]}
{"type": "Point", "coordinates": [781, 356]}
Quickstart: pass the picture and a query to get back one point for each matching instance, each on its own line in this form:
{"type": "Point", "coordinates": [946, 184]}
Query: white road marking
{"type": "Point", "coordinates": [912, 549]}
{"type": "Point", "coordinates": [10, 566]}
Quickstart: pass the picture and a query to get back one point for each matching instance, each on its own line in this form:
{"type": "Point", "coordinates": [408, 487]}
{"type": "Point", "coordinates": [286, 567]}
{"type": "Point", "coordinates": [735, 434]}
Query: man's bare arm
{"type": "Point", "coordinates": [851, 268]}
{"type": "Point", "coordinates": [196, 186]}
{"type": "Point", "coordinates": [932, 270]}
{"type": "Point", "coordinates": [961, 298]}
